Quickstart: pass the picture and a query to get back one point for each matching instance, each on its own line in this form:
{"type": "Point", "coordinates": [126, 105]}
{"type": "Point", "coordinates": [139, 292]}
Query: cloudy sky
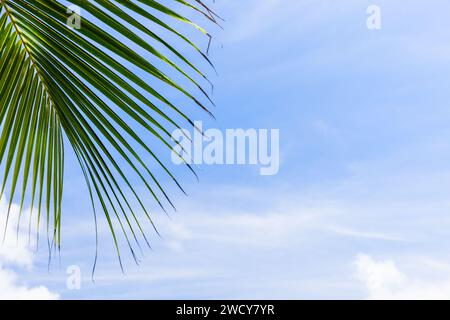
{"type": "Point", "coordinates": [360, 208]}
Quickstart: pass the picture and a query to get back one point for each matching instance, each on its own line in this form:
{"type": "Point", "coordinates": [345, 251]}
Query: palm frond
{"type": "Point", "coordinates": [85, 86]}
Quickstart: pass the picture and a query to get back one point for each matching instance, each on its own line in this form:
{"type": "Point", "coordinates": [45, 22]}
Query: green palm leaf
{"type": "Point", "coordinates": [81, 85]}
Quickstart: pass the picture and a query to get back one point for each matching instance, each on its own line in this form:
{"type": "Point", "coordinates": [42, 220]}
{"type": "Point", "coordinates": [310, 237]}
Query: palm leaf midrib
{"type": "Point", "coordinates": [4, 4]}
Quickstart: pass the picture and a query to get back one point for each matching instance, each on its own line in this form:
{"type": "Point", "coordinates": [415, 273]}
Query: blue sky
{"type": "Point", "coordinates": [360, 208]}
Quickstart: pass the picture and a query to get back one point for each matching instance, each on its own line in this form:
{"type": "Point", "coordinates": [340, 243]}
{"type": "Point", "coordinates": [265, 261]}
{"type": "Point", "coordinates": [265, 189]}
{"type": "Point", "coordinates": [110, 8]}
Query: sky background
{"type": "Point", "coordinates": [360, 208]}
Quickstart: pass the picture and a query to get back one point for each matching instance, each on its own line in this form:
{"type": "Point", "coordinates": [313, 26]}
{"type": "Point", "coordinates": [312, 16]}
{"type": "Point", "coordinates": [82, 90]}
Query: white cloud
{"type": "Point", "coordinates": [11, 289]}
{"type": "Point", "coordinates": [14, 248]}
{"type": "Point", "coordinates": [385, 281]}
{"type": "Point", "coordinates": [15, 252]}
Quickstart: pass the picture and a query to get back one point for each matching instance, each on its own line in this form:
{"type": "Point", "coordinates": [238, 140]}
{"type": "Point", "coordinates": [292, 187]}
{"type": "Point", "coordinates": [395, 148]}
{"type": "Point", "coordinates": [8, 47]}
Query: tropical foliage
{"type": "Point", "coordinates": [90, 88]}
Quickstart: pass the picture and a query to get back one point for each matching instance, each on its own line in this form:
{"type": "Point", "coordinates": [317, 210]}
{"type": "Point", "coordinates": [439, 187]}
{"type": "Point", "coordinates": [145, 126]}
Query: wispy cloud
{"type": "Point", "coordinates": [348, 232]}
